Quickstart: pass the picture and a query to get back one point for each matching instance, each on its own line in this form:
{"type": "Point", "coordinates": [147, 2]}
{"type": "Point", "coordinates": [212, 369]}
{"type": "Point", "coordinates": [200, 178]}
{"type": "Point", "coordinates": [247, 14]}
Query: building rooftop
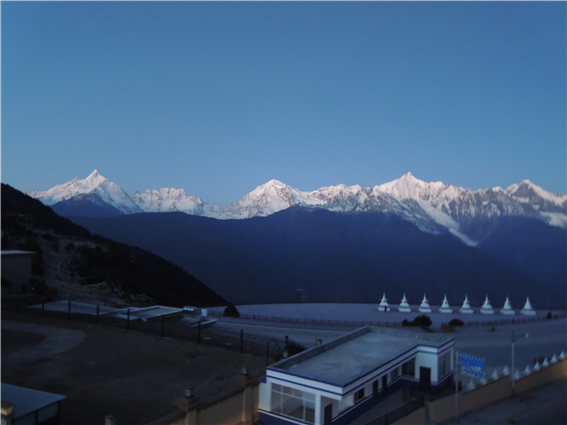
{"type": "Point", "coordinates": [26, 400]}
{"type": "Point", "coordinates": [16, 253]}
{"type": "Point", "coordinates": [144, 313]}
{"type": "Point", "coordinates": [345, 359]}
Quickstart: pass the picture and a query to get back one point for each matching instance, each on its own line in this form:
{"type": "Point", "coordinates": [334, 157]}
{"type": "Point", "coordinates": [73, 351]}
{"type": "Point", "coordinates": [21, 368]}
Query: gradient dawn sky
{"type": "Point", "coordinates": [219, 98]}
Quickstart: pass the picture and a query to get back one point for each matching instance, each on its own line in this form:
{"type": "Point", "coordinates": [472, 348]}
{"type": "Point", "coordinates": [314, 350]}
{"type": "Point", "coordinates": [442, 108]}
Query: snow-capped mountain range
{"type": "Point", "coordinates": [95, 184]}
{"type": "Point", "coordinates": [434, 207]}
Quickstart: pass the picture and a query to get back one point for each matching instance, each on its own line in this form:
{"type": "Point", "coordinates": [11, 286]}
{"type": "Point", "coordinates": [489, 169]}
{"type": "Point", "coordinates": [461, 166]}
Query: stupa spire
{"type": "Point", "coordinates": [404, 306]}
{"type": "Point", "coordinates": [383, 306]}
{"type": "Point", "coordinates": [528, 310]}
{"type": "Point", "coordinates": [507, 309]}
{"type": "Point", "coordinates": [466, 308]}
{"type": "Point", "coordinates": [424, 306]}
{"type": "Point", "coordinates": [486, 307]}
{"type": "Point", "coordinates": [445, 308]}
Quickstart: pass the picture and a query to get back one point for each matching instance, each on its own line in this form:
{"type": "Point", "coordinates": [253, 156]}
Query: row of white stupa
{"type": "Point", "coordinates": [465, 309]}
{"type": "Point", "coordinates": [517, 374]}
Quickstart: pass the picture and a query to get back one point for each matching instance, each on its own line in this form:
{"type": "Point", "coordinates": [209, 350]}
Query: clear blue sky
{"type": "Point", "coordinates": [218, 98]}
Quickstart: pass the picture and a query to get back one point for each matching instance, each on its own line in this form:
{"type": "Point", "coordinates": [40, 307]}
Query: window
{"type": "Point", "coordinates": [293, 402]}
{"type": "Point", "coordinates": [359, 395]}
{"type": "Point", "coordinates": [395, 373]}
{"type": "Point", "coordinates": [443, 365]}
{"type": "Point", "coordinates": [408, 368]}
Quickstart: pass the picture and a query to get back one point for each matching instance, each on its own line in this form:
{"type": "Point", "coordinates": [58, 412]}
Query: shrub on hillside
{"type": "Point", "coordinates": [456, 322]}
{"type": "Point", "coordinates": [422, 321]}
{"type": "Point", "coordinates": [231, 311]}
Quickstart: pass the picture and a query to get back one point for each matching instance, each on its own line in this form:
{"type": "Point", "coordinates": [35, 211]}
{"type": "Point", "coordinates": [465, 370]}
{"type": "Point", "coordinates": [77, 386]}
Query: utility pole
{"type": "Point", "coordinates": [513, 378]}
{"type": "Point", "coordinates": [456, 373]}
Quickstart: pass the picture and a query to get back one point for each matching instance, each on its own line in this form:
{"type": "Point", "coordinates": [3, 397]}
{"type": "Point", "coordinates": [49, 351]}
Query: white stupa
{"type": "Point", "coordinates": [528, 310]}
{"type": "Point", "coordinates": [507, 309]}
{"type": "Point", "coordinates": [486, 307]}
{"type": "Point", "coordinates": [527, 370]}
{"type": "Point", "coordinates": [537, 367]}
{"type": "Point", "coordinates": [404, 306]}
{"type": "Point", "coordinates": [562, 355]}
{"type": "Point", "coordinates": [495, 375]}
{"type": "Point", "coordinates": [506, 371]}
{"type": "Point", "coordinates": [383, 306]}
{"type": "Point", "coordinates": [445, 308]}
{"type": "Point", "coordinates": [466, 308]}
{"type": "Point", "coordinates": [424, 306]}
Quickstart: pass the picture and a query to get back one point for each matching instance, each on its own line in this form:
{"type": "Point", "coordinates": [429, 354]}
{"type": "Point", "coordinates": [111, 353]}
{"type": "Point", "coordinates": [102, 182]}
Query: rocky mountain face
{"type": "Point", "coordinates": [434, 207]}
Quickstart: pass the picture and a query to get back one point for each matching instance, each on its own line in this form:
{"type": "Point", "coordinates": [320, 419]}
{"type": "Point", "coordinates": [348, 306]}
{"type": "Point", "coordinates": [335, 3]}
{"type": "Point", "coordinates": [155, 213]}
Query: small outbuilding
{"type": "Point", "coordinates": [30, 407]}
{"type": "Point", "coordinates": [336, 382]}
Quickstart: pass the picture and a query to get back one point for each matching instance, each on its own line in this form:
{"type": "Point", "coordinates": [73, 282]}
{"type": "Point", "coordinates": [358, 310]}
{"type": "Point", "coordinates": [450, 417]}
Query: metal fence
{"type": "Point", "coordinates": [311, 322]}
{"type": "Point", "coordinates": [359, 323]}
{"type": "Point", "coordinates": [270, 348]}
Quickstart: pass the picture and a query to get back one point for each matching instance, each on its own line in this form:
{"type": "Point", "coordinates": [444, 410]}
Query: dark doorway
{"type": "Point", "coordinates": [385, 385]}
{"type": "Point", "coordinates": [375, 388]}
{"type": "Point", "coordinates": [328, 414]}
{"type": "Point", "coordinates": [424, 379]}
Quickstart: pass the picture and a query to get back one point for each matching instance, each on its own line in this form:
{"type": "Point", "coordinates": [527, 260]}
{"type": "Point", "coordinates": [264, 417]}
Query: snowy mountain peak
{"type": "Point", "coordinates": [409, 186]}
{"type": "Point", "coordinates": [93, 175]}
{"type": "Point", "coordinates": [266, 199]}
{"type": "Point", "coordinates": [275, 183]}
{"type": "Point", "coordinates": [94, 179]}
{"type": "Point", "coordinates": [170, 200]}
{"type": "Point", "coordinates": [528, 192]}
{"type": "Point", "coordinates": [95, 183]}
{"type": "Point", "coordinates": [433, 207]}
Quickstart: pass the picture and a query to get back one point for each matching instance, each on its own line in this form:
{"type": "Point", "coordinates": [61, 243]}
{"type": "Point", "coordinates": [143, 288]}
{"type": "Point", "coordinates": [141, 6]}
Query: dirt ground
{"type": "Point", "coordinates": [128, 374]}
{"type": "Point", "coordinates": [14, 341]}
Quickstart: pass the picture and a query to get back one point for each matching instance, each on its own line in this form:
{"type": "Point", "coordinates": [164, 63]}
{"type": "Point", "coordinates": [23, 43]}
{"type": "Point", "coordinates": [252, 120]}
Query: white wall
{"type": "Point", "coordinates": [264, 396]}
{"type": "Point", "coordinates": [426, 360]}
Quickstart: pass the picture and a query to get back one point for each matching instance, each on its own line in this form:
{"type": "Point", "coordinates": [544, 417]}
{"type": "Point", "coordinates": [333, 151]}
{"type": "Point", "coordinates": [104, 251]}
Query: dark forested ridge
{"type": "Point", "coordinates": [317, 255]}
{"type": "Point", "coordinates": [90, 264]}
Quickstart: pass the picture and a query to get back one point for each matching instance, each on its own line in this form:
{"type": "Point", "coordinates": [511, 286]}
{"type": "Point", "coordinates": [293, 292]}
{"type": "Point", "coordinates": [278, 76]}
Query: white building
{"type": "Point", "coordinates": [336, 382]}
